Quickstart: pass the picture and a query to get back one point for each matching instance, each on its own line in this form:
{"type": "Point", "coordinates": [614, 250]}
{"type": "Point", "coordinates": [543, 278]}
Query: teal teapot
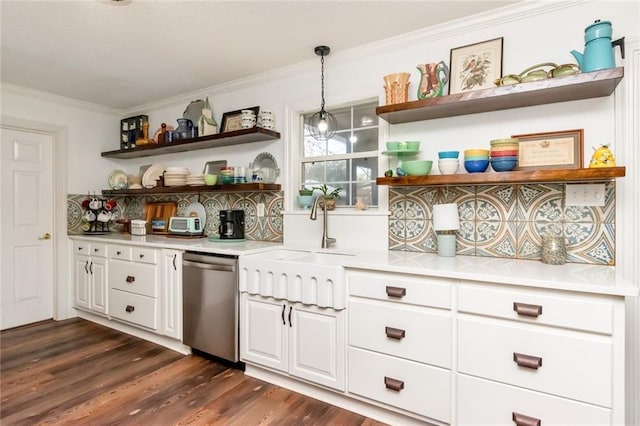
{"type": "Point", "coordinates": [599, 49]}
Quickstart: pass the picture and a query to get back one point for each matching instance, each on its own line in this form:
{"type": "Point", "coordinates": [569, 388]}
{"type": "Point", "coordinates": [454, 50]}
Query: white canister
{"type": "Point", "coordinates": [138, 227]}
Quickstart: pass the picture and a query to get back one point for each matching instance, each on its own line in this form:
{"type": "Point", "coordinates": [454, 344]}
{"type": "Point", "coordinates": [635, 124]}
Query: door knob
{"type": "Point", "coordinates": [45, 236]}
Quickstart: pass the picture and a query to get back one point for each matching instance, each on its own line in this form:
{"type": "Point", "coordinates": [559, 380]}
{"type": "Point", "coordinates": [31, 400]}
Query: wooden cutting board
{"type": "Point", "coordinates": [163, 211]}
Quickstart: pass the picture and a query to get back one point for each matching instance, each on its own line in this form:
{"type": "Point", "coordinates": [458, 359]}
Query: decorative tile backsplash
{"type": "Point", "coordinates": [266, 228]}
{"type": "Point", "coordinates": [505, 221]}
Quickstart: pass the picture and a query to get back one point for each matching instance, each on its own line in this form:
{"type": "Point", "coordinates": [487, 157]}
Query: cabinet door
{"type": "Point", "coordinates": [317, 345]}
{"type": "Point", "coordinates": [171, 293]}
{"type": "Point", "coordinates": [81, 281]}
{"type": "Point", "coordinates": [263, 333]}
{"type": "Point", "coordinates": [98, 284]}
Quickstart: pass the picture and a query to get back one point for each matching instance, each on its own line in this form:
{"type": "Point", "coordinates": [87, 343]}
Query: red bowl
{"type": "Point", "coordinates": [504, 153]}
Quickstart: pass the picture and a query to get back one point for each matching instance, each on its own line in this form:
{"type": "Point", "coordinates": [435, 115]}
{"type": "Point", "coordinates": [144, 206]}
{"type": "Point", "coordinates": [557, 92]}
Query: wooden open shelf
{"type": "Point", "coordinates": [236, 187]}
{"type": "Point", "coordinates": [499, 178]}
{"type": "Point", "coordinates": [559, 89]}
{"type": "Point", "coordinates": [255, 134]}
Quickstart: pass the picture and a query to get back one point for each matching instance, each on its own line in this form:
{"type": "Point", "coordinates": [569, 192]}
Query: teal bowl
{"type": "Point", "coordinates": [448, 154]}
{"type": "Point", "coordinates": [417, 167]}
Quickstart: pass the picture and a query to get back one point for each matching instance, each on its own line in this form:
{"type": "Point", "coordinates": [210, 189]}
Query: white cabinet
{"type": "Point", "coordinates": [171, 293]}
{"type": "Point", "coordinates": [90, 276]}
{"type": "Point", "coordinates": [532, 355]}
{"type": "Point", "coordinates": [304, 341]}
{"type": "Point", "coordinates": [400, 341]}
{"type": "Point", "coordinates": [134, 282]}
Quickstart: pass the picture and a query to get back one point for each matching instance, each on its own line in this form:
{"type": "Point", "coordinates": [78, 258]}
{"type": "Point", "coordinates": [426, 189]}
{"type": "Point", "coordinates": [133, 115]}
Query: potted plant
{"type": "Point", "coordinates": [304, 191]}
{"type": "Point", "coordinates": [328, 196]}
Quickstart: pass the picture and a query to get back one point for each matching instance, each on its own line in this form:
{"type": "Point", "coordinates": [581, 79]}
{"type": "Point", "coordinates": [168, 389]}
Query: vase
{"type": "Point", "coordinates": [446, 245]}
{"type": "Point", "coordinates": [329, 201]}
{"type": "Point", "coordinates": [184, 129]}
{"type": "Point", "coordinates": [397, 87]}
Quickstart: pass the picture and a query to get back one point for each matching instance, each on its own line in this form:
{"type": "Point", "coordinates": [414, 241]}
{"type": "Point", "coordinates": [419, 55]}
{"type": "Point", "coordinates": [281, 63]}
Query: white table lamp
{"type": "Point", "coordinates": [445, 223]}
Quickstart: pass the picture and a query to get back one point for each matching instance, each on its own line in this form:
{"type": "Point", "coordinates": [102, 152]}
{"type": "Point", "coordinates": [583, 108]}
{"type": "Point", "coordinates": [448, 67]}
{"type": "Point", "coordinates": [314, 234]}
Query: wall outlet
{"type": "Point", "coordinates": [587, 194]}
{"type": "Point", "coordinates": [260, 211]}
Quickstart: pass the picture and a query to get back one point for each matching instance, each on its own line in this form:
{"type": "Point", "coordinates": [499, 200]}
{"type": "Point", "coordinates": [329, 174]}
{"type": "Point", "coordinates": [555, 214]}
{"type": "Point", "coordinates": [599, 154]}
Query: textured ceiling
{"type": "Point", "coordinates": [122, 55]}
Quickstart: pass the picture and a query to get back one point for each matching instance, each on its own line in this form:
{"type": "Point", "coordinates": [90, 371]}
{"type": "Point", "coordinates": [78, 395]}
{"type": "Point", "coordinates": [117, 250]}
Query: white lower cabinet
{"type": "Point", "coordinates": [400, 342]}
{"type": "Point", "coordinates": [171, 293]}
{"type": "Point", "coordinates": [303, 341]}
{"type": "Point", "coordinates": [90, 276]}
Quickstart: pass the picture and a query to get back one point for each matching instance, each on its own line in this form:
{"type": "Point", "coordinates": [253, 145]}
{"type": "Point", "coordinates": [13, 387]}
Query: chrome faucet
{"type": "Point", "coordinates": [326, 240]}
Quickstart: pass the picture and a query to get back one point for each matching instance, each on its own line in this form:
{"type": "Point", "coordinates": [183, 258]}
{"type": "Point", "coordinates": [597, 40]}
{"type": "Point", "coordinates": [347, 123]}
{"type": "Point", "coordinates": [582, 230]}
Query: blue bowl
{"type": "Point", "coordinates": [448, 154]}
{"type": "Point", "coordinates": [476, 166]}
{"type": "Point", "coordinates": [501, 165]}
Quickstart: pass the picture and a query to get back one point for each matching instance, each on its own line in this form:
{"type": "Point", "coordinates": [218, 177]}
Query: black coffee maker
{"type": "Point", "coordinates": [231, 225]}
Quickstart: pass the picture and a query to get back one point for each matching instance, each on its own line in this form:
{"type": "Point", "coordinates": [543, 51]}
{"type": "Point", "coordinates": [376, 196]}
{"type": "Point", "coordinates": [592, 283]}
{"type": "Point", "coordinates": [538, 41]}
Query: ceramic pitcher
{"type": "Point", "coordinates": [433, 78]}
{"type": "Point", "coordinates": [396, 87]}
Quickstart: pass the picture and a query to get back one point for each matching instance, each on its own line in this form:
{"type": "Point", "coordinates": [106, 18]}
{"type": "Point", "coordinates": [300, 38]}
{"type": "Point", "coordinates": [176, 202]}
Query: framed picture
{"type": "Point", "coordinates": [233, 120]}
{"type": "Point", "coordinates": [475, 66]}
{"type": "Point", "coordinates": [551, 150]}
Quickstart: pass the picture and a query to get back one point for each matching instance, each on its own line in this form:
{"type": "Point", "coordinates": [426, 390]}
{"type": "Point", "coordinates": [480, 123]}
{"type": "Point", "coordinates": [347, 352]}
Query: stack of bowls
{"type": "Point", "coordinates": [448, 162]}
{"type": "Point", "coordinates": [504, 154]}
{"type": "Point", "coordinates": [476, 160]}
{"type": "Point", "coordinates": [176, 176]}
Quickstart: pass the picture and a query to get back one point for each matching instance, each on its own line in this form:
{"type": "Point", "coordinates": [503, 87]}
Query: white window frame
{"type": "Point", "coordinates": [293, 155]}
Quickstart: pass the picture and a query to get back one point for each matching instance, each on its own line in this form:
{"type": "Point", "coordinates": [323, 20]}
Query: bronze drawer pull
{"type": "Point", "coordinates": [394, 333]}
{"type": "Point", "coordinates": [290, 311]}
{"type": "Point", "coordinates": [130, 308]}
{"type": "Point", "coordinates": [96, 250]}
{"type": "Point", "coordinates": [528, 361]}
{"type": "Point", "coordinates": [284, 307]}
{"type": "Point", "coordinates": [396, 291]}
{"type": "Point", "coordinates": [130, 279]}
{"type": "Point", "coordinates": [118, 253]}
{"type": "Point", "coordinates": [522, 420]}
{"type": "Point", "coordinates": [527, 310]}
{"type": "Point", "coordinates": [141, 255]}
{"type": "Point", "coordinates": [393, 384]}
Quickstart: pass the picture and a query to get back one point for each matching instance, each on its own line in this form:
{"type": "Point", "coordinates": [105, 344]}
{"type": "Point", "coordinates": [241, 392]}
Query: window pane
{"type": "Point", "coordinates": [337, 171]}
{"type": "Point", "coordinates": [343, 118]}
{"type": "Point", "coordinates": [337, 144]}
{"type": "Point", "coordinates": [313, 147]}
{"type": "Point", "coordinates": [313, 173]}
{"type": "Point", "coordinates": [365, 140]}
{"type": "Point", "coordinates": [365, 115]}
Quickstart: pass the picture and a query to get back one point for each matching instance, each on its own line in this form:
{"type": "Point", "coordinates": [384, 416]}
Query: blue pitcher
{"type": "Point", "coordinates": [599, 49]}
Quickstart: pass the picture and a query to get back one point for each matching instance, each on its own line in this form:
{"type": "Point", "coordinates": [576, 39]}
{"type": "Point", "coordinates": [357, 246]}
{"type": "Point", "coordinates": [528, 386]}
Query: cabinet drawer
{"type": "Point", "coordinates": [133, 277]}
{"type": "Point", "coordinates": [573, 365]}
{"type": "Point", "coordinates": [415, 290]}
{"type": "Point", "coordinates": [570, 311]}
{"type": "Point", "coordinates": [483, 402]}
{"type": "Point", "coordinates": [120, 252]}
{"type": "Point", "coordinates": [145, 255]}
{"type": "Point", "coordinates": [425, 390]}
{"type": "Point", "coordinates": [133, 308]}
{"type": "Point", "coordinates": [90, 249]}
{"type": "Point", "coordinates": [406, 331]}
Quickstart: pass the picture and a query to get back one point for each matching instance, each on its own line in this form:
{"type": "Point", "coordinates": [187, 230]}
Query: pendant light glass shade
{"type": "Point", "coordinates": [322, 125]}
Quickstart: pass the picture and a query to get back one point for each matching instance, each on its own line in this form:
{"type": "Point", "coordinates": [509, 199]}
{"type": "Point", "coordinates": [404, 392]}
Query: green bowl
{"type": "Point", "coordinates": [417, 167]}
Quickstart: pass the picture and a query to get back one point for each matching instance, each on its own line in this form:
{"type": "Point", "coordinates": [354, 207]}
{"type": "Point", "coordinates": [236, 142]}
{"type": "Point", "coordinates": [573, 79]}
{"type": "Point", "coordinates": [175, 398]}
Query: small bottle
{"type": "Point", "coordinates": [554, 251]}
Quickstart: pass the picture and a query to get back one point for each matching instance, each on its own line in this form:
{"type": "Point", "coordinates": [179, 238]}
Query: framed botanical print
{"type": "Point", "coordinates": [475, 66]}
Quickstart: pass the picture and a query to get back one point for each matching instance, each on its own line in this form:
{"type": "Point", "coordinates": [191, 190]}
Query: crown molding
{"type": "Point", "coordinates": [63, 100]}
{"type": "Point", "coordinates": [445, 30]}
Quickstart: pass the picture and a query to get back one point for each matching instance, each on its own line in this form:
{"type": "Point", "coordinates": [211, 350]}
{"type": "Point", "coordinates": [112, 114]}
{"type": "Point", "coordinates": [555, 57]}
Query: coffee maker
{"type": "Point", "coordinates": [231, 225]}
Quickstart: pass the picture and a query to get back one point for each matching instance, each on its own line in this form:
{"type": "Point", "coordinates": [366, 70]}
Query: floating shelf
{"type": "Point", "coordinates": [255, 134]}
{"type": "Point", "coordinates": [236, 187]}
{"type": "Point", "coordinates": [559, 89]}
{"type": "Point", "coordinates": [499, 178]}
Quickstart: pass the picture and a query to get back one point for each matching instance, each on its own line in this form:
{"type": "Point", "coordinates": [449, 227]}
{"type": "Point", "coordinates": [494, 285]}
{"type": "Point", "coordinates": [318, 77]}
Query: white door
{"type": "Point", "coordinates": [264, 331]}
{"type": "Point", "coordinates": [26, 190]}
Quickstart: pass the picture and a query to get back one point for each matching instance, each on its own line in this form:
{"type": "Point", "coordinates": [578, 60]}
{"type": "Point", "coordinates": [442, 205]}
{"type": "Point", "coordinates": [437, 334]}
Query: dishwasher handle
{"type": "Point", "coordinates": [209, 266]}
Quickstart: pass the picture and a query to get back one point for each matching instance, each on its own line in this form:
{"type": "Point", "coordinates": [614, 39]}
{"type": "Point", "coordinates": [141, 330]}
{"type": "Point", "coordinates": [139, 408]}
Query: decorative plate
{"type": "Point", "coordinates": [118, 179]}
{"type": "Point", "coordinates": [265, 159]}
{"type": "Point", "coordinates": [152, 174]}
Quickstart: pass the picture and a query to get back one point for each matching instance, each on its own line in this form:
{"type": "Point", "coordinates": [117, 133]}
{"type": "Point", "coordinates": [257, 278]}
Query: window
{"type": "Point", "coordinates": [349, 160]}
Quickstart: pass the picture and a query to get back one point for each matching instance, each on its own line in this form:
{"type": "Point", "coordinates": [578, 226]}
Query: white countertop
{"type": "Point", "coordinates": [599, 279]}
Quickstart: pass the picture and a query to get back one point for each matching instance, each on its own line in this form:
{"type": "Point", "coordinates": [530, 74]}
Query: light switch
{"type": "Point", "coordinates": [587, 194]}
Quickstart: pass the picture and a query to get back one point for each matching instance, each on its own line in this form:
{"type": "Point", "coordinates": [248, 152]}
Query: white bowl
{"type": "Point", "coordinates": [448, 166]}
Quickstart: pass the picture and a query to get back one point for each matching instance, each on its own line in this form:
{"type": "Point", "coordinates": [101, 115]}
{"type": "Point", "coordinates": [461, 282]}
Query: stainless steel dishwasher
{"type": "Point", "coordinates": [210, 304]}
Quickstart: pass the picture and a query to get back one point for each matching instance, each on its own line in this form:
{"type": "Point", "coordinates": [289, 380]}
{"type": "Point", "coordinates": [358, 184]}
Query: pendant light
{"type": "Point", "coordinates": [322, 125]}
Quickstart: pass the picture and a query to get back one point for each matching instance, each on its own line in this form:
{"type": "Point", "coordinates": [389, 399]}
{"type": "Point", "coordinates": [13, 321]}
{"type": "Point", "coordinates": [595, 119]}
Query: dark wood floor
{"type": "Point", "coordinates": [78, 372]}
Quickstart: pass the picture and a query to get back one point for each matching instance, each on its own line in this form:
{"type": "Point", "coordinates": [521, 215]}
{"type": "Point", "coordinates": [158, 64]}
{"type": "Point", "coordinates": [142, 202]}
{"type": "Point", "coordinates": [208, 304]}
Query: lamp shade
{"type": "Point", "coordinates": [445, 217]}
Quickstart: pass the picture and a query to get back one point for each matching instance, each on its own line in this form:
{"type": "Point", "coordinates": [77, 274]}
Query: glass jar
{"type": "Point", "coordinates": [554, 251]}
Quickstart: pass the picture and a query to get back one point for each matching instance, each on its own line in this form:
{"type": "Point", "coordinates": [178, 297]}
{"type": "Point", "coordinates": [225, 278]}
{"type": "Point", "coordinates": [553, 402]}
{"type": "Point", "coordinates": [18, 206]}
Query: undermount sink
{"type": "Point", "coordinates": [310, 277]}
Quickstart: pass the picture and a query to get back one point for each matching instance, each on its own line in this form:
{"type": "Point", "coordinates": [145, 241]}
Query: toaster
{"type": "Point", "coordinates": [186, 225]}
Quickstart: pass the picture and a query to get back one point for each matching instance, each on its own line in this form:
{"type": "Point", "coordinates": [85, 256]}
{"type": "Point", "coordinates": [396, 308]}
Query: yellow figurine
{"type": "Point", "coordinates": [602, 157]}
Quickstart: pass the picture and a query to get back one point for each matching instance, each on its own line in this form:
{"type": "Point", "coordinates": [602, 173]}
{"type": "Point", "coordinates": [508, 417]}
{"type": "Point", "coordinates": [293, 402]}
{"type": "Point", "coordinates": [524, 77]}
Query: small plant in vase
{"type": "Point", "coordinates": [328, 196]}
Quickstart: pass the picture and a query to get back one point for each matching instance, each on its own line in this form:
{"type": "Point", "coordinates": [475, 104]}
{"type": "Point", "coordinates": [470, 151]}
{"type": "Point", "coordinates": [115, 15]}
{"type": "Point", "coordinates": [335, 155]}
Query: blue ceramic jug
{"type": "Point", "coordinates": [599, 49]}
{"type": "Point", "coordinates": [184, 130]}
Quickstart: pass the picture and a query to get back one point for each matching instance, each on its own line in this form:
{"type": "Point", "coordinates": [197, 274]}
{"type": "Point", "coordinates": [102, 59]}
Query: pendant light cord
{"type": "Point", "coordinates": [322, 82]}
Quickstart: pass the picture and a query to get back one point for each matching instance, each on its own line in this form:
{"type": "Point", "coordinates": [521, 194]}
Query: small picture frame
{"type": "Point", "coordinates": [551, 150]}
{"type": "Point", "coordinates": [232, 120]}
{"type": "Point", "coordinates": [475, 66]}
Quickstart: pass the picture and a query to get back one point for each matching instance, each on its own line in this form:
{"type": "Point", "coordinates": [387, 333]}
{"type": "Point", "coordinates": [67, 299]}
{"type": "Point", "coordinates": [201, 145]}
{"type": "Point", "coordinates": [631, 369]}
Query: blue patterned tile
{"type": "Point", "coordinates": [540, 202]}
{"type": "Point", "coordinates": [496, 203]}
{"type": "Point", "coordinates": [590, 243]}
{"type": "Point", "coordinates": [466, 238]}
{"type": "Point", "coordinates": [496, 239]}
{"type": "Point", "coordinates": [397, 239]}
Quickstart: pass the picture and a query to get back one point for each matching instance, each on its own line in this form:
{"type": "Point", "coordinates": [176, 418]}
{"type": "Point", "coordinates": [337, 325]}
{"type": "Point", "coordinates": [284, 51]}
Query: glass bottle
{"type": "Point", "coordinates": [554, 251]}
